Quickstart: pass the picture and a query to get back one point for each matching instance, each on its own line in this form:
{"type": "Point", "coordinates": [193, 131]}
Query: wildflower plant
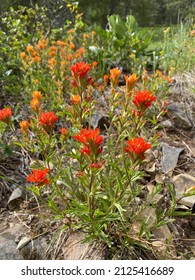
{"type": "Point", "coordinates": [90, 179]}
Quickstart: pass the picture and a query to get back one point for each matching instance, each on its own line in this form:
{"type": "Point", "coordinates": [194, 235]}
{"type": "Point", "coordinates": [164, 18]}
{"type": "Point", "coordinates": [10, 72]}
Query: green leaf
{"type": "Point", "coordinates": [182, 213]}
{"type": "Point", "coordinates": [131, 22]}
{"type": "Point", "coordinates": [117, 26]}
{"type": "Point", "coordinates": [121, 210]}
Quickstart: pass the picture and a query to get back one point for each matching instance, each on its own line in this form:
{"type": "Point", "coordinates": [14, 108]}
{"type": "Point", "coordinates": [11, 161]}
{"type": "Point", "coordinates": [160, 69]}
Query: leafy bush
{"type": "Point", "coordinates": [122, 44]}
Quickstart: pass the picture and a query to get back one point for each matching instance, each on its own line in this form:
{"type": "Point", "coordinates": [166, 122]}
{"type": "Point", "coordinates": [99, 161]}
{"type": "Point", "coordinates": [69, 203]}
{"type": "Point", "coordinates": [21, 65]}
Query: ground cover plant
{"type": "Point", "coordinates": [91, 176]}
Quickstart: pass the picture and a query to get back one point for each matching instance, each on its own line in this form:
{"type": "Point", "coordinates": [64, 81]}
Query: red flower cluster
{"type": "Point", "coordinates": [136, 147]}
{"type": "Point", "coordinates": [80, 70]}
{"type": "Point", "coordinates": [39, 177]}
{"type": "Point", "coordinates": [96, 165]}
{"type": "Point", "coordinates": [80, 75]}
{"type": "Point", "coordinates": [47, 120]}
{"type": "Point", "coordinates": [143, 99]}
{"type": "Point", "coordinates": [63, 131]}
{"type": "Point", "coordinates": [91, 140]}
{"type": "Point", "coordinates": [5, 115]}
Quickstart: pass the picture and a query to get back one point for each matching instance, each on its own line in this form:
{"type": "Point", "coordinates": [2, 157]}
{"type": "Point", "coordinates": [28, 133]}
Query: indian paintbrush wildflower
{"type": "Point", "coordinates": [80, 76]}
{"type": "Point", "coordinates": [63, 131]}
{"type": "Point", "coordinates": [75, 99]}
{"type": "Point", "coordinates": [106, 77]}
{"type": "Point", "coordinates": [39, 177]}
{"type": "Point", "coordinates": [37, 95]}
{"type": "Point", "coordinates": [5, 115]}
{"type": "Point", "coordinates": [130, 82]}
{"type": "Point", "coordinates": [47, 120]}
{"type": "Point", "coordinates": [80, 70]}
{"type": "Point", "coordinates": [94, 63]}
{"type": "Point", "coordinates": [35, 105]}
{"type": "Point", "coordinates": [30, 49]}
{"type": "Point", "coordinates": [24, 125]}
{"type": "Point", "coordinates": [136, 147]}
{"type": "Point", "coordinates": [23, 55]}
{"type": "Point", "coordinates": [143, 99]}
{"type": "Point", "coordinates": [114, 76]}
{"type": "Point", "coordinates": [91, 140]}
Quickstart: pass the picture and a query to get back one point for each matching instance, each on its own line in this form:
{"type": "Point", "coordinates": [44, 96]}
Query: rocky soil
{"type": "Point", "coordinates": [23, 235]}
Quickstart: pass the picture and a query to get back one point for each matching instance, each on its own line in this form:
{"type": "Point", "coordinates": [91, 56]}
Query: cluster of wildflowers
{"type": "Point", "coordinates": [47, 120]}
{"type": "Point", "coordinates": [80, 75]}
{"type": "Point", "coordinates": [91, 140]}
{"type": "Point", "coordinates": [114, 76]}
{"type": "Point", "coordinates": [5, 115]}
{"type": "Point", "coordinates": [143, 99]}
{"type": "Point", "coordinates": [96, 172]}
{"type": "Point", "coordinates": [39, 177]}
{"type": "Point", "coordinates": [136, 148]}
{"type": "Point", "coordinates": [24, 126]}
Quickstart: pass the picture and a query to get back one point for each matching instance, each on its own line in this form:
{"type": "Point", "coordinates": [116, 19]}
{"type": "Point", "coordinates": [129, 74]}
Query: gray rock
{"type": "Point", "coordinates": [76, 249]}
{"type": "Point", "coordinates": [180, 116]}
{"type": "Point", "coordinates": [100, 120]}
{"type": "Point", "coordinates": [16, 198]}
{"type": "Point", "coordinates": [167, 124]}
{"type": "Point", "coordinates": [182, 182]}
{"type": "Point", "coordinates": [34, 250]}
{"type": "Point", "coordinates": [163, 247]}
{"type": "Point", "coordinates": [8, 247]}
{"type": "Point", "coordinates": [169, 158]}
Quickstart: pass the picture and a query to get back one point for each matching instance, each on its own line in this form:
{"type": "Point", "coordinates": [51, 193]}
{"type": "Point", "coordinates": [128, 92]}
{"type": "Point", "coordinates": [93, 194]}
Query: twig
{"type": "Point", "coordinates": [189, 148]}
{"type": "Point", "coordinates": [21, 220]}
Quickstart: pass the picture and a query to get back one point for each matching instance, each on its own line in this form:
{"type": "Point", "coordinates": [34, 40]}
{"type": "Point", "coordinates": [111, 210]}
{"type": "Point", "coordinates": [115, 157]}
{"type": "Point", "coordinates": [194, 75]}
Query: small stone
{"type": "Point", "coordinates": [182, 182]}
{"type": "Point", "coordinates": [100, 120]}
{"type": "Point", "coordinates": [182, 208]}
{"type": "Point", "coordinates": [169, 158]}
{"type": "Point", "coordinates": [180, 116]}
{"type": "Point", "coordinates": [25, 240]}
{"type": "Point", "coordinates": [35, 249]}
{"type": "Point", "coordinates": [160, 178]}
{"type": "Point", "coordinates": [16, 199]}
{"type": "Point", "coordinates": [167, 124]}
{"type": "Point", "coordinates": [150, 215]}
{"type": "Point", "coordinates": [152, 169]}
{"type": "Point", "coordinates": [8, 246]}
{"type": "Point", "coordinates": [162, 233]}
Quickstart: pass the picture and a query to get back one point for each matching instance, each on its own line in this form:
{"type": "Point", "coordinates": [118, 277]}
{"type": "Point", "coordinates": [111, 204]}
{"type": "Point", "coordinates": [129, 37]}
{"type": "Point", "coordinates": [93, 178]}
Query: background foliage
{"type": "Point", "coordinates": [147, 12]}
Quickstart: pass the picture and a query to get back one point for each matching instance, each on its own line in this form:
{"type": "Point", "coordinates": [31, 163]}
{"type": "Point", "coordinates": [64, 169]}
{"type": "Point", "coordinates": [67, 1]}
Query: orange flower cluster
{"type": "Point", "coordinates": [35, 102]}
{"type": "Point", "coordinates": [143, 99]}
{"type": "Point", "coordinates": [39, 177]}
{"type": "Point", "coordinates": [136, 147]}
{"type": "Point", "coordinates": [5, 115]}
{"type": "Point", "coordinates": [91, 140]}
{"type": "Point", "coordinates": [47, 120]}
{"type": "Point", "coordinates": [75, 99]}
{"type": "Point", "coordinates": [114, 76]}
{"type": "Point", "coordinates": [35, 105]}
{"type": "Point", "coordinates": [37, 95]}
{"type": "Point", "coordinates": [163, 77]}
{"type": "Point", "coordinates": [80, 75]}
{"type": "Point", "coordinates": [80, 70]}
{"type": "Point", "coordinates": [24, 125]}
{"type": "Point", "coordinates": [130, 82]}
{"type": "Point", "coordinates": [63, 131]}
